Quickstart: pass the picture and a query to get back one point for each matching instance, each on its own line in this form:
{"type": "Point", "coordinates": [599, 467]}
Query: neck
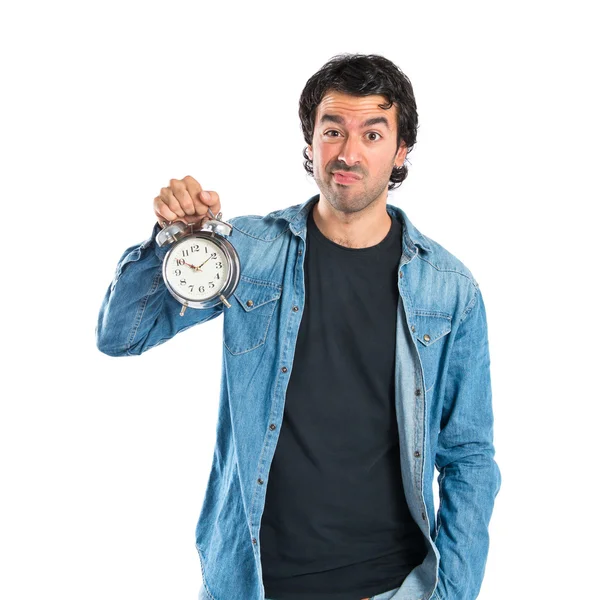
{"type": "Point", "coordinates": [360, 229]}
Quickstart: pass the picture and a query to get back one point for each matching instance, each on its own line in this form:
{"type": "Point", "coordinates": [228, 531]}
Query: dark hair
{"type": "Point", "coordinates": [362, 75]}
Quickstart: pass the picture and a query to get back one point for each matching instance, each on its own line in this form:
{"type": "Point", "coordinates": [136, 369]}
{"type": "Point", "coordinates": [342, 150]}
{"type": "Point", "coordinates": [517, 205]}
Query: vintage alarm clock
{"type": "Point", "coordinates": [202, 268]}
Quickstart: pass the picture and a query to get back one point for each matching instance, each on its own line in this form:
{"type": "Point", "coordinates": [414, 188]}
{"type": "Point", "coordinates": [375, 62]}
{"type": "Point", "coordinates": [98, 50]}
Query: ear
{"type": "Point", "coordinates": [400, 155]}
{"type": "Point", "coordinates": [309, 152]}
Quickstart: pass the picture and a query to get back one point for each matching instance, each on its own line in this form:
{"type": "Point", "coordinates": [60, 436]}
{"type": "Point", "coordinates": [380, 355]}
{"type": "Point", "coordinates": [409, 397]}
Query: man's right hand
{"type": "Point", "coordinates": [185, 200]}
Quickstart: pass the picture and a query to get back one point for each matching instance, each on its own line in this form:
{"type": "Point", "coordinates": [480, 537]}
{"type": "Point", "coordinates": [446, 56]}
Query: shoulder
{"type": "Point", "coordinates": [451, 274]}
{"type": "Point", "coordinates": [441, 259]}
{"type": "Point", "coordinates": [438, 276]}
{"type": "Point", "coordinates": [266, 227]}
{"type": "Point", "coordinates": [432, 255]}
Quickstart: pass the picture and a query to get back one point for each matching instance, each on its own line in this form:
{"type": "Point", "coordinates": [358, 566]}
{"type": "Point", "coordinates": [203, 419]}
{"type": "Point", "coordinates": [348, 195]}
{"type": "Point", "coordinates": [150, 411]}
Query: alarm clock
{"type": "Point", "coordinates": [202, 268]}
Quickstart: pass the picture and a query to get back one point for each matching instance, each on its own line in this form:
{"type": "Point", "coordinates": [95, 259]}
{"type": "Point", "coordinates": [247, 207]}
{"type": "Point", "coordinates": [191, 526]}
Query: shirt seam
{"type": "Point", "coordinates": [141, 309]}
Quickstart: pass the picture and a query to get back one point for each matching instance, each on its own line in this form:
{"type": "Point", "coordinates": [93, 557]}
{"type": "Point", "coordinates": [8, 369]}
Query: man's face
{"type": "Point", "coordinates": [354, 136]}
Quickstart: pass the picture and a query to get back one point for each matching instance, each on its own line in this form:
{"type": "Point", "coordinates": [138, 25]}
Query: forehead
{"type": "Point", "coordinates": [353, 107]}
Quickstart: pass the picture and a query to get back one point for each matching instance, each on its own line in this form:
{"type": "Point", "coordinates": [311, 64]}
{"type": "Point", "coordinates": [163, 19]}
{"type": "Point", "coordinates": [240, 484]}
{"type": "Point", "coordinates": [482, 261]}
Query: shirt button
{"type": "Point", "coordinates": [254, 540]}
{"type": "Point", "coordinates": [295, 309]}
{"type": "Point", "coordinates": [249, 303]}
{"type": "Point", "coordinates": [284, 369]}
{"type": "Point", "coordinates": [423, 515]}
{"type": "Point", "coordinates": [260, 481]}
{"type": "Point", "coordinates": [426, 337]}
{"type": "Point", "coordinates": [418, 392]}
{"type": "Point", "coordinates": [412, 327]}
{"type": "Point", "coordinates": [299, 251]}
{"type": "Point", "coordinates": [417, 453]}
{"type": "Point", "coordinates": [400, 275]}
{"type": "Point", "coordinates": [272, 426]}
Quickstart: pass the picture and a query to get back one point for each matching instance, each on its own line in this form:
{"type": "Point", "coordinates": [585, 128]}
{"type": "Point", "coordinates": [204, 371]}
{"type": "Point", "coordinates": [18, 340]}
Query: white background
{"type": "Point", "coordinates": [105, 460]}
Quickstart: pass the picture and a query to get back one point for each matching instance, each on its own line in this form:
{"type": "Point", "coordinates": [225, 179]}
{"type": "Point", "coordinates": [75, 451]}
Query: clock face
{"type": "Point", "coordinates": [197, 269]}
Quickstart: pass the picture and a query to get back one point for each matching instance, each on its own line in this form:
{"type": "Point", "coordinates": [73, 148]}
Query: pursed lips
{"type": "Point", "coordinates": [346, 175]}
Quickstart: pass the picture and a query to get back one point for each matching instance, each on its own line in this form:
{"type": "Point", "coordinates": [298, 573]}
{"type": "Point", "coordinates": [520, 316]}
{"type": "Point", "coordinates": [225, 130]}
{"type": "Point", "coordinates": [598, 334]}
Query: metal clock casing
{"type": "Point", "coordinates": [210, 237]}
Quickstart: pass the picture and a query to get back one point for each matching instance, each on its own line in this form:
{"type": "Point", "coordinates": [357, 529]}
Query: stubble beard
{"type": "Point", "coordinates": [348, 200]}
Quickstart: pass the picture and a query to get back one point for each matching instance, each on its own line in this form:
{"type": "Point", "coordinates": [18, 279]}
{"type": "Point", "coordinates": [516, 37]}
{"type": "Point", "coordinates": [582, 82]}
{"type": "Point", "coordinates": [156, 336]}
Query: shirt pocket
{"type": "Point", "coordinates": [246, 323]}
{"type": "Point", "coordinates": [431, 328]}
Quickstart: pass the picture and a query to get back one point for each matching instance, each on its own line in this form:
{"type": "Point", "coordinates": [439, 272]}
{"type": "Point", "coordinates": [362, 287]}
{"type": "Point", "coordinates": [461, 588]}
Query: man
{"type": "Point", "coordinates": [355, 360]}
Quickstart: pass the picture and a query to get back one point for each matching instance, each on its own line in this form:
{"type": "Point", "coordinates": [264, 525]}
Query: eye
{"type": "Point", "coordinates": [373, 133]}
{"type": "Point", "coordinates": [331, 131]}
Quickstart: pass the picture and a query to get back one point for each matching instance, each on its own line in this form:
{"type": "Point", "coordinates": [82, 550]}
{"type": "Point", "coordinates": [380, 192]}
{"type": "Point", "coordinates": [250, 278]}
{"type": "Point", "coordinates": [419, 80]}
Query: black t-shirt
{"type": "Point", "coordinates": [336, 525]}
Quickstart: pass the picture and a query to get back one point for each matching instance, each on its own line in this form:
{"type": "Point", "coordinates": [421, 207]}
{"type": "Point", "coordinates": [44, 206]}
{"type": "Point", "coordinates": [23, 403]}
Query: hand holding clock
{"type": "Point", "coordinates": [185, 200]}
{"type": "Point", "coordinates": [184, 203]}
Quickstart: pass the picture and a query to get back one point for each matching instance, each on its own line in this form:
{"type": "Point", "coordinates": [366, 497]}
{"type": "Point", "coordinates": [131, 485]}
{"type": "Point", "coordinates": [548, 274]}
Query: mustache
{"type": "Point", "coordinates": [343, 169]}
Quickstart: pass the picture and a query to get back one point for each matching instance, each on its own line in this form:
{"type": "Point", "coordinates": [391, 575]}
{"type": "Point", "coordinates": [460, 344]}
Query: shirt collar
{"type": "Point", "coordinates": [297, 217]}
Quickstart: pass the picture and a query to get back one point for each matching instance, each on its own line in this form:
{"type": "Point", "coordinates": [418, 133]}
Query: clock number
{"type": "Point", "coordinates": [191, 288]}
{"type": "Point", "coordinates": [185, 252]}
{"type": "Point", "coordinates": [201, 289]}
{"type": "Point", "coordinates": [180, 261]}
{"type": "Point", "coordinates": [195, 248]}
{"type": "Point", "coordinates": [177, 272]}
{"type": "Point", "coordinates": [213, 255]}
{"type": "Point", "coordinates": [211, 285]}
{"type": "Point", "coordinates": [182, 282]}
{"type": "Point", "coordinates": [217, 276]}
{"type": "Point", "coordinates": [219, 265]}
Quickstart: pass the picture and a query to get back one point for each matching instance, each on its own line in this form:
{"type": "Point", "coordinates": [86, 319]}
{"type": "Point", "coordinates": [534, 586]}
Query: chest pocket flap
{"type": "Point", "coordinates": [430, 326]}
{"type": "Point", "coordinates": [253, 293]}
{"type": "Point", "coordinates": [247, 322]}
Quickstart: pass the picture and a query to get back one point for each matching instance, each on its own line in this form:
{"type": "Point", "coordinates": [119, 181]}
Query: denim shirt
{"type": "Point", "coordinates": [442, 395]}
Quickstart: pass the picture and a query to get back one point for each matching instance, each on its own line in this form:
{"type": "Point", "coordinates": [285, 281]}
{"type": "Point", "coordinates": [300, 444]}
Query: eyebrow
{"type": "Point", "coordinates": [341, 121]}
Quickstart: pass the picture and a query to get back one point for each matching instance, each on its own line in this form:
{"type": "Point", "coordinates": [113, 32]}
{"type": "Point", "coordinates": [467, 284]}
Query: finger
{"type": "Point", "coordinates": [198, 196]}
{"type": "Point", "coordinates": [180, 192]}
{"type": "Point", "coordinates": [194, 219]}
{"type": "Point", "coordinates": [194, 189]}
{"type": "Point", "coordinates": [159, 207]}
{"type": "Point", "coordinates": [211, 199]}
{"type": "Point", "coordinates": [161, 220]}
{"type": "Point", "coordinates": [162, 211]}
{"type": "Point", "coordinates": [167, 196]}
{"type": "Point", "coordinates": [201, 208]}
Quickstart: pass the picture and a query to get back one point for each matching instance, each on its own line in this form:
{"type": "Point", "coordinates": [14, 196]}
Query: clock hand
{"type": "Point", "coordinates": [205, 262]}
{"type": "Point", "coordinates": [190, 265]}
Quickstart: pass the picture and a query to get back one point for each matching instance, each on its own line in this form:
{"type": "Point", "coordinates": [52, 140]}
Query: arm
{"type": "Point", "coordinates": [469, 477]}
{"type": "Point", "coordinates": [137, 311]}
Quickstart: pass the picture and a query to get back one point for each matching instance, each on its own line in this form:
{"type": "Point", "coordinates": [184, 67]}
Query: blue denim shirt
{"type": "Point", "coordinates": [442, 395]}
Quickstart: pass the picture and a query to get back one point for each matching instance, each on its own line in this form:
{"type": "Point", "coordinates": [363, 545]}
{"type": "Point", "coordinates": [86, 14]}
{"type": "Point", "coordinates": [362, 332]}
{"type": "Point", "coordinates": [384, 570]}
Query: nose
{"type": "Point", "coordinates": [350, 151]}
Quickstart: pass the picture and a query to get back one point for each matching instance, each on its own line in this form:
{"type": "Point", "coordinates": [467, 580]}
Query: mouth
{"type": "Point", "coordinates": [345, 178]}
